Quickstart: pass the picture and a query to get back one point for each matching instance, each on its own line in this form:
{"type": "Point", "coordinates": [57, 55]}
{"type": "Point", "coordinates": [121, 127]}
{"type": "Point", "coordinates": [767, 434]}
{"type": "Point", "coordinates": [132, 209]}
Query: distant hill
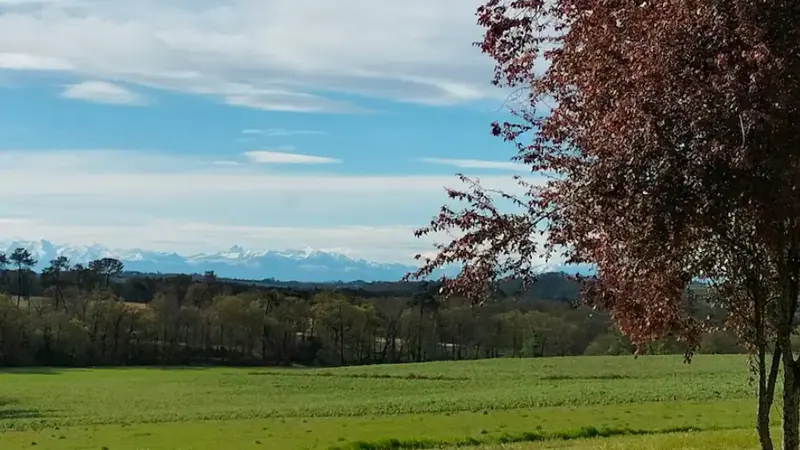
{"type": "Point", "coordinates": [551, 286]}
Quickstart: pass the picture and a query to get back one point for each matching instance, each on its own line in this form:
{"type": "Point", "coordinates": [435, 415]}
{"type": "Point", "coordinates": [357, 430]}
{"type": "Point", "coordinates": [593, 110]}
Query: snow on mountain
{"type": "Point", "coordinates": [305, 265]}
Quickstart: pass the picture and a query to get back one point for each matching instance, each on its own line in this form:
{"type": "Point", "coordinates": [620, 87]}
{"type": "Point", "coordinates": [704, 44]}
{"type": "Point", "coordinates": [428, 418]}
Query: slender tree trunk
{"type": "Point", "coordinates": [60, 300]}
{"type": "Point", "coordinates": [117, 324]}
{"type": "Point", "coordinates": [791, 407]}
{"type": "Point", "coordinates": [285, 347]}
{"type": "Point", "coordinates": [766, 395]}
{"type": "Point", "coordinates": [791, 371]}
{"type": "Point", "coordinates": [385, 349]}
{"type": "Point", "coordinates": [264, 339]}
{"type": "Point", "coordinates": [341, 346]}
{"type": "Point", "coordinates": [394, 345]}
{"type": "Point", "coordinates": [128, 341]}
{"type": "Point", "coordinates": [19, 286]}
{"type": "Point", "coordinates": [419, 332]}
{"type": "Point", "coordinates": [766, 381]}
{"type": "Point", "coordinates": [341, 336]}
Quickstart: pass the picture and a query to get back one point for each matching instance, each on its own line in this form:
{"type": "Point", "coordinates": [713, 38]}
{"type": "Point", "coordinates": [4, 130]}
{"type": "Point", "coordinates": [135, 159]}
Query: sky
{"type": "Point", "coordinates": [195, 125]}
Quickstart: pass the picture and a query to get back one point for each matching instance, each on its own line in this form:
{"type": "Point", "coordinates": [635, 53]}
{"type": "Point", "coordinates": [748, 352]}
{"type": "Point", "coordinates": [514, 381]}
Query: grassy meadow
{"type": "Point", "coordinates": [548, 403]}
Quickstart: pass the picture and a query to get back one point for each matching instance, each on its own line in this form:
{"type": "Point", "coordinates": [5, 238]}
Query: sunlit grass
{"type": "Point", "coordinates": [443, 403]}
{"type": "Point", "coordinates": [713, 440]}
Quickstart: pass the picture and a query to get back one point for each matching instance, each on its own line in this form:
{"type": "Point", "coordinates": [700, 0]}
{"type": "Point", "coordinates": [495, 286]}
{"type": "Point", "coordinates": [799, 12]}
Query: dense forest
{"type": "Point", "coordinates": [97, 314]}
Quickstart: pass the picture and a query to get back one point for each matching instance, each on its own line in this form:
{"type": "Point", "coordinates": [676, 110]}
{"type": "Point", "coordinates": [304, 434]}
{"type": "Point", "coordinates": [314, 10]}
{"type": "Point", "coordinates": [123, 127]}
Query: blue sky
{"type": "Point", "coordinates": [191, 126]}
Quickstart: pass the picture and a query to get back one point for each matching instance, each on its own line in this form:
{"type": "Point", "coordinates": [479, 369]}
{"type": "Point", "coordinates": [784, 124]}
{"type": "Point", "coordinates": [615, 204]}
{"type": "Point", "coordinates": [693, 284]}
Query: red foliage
{"type": "Point", "coordinates": [673, 145]}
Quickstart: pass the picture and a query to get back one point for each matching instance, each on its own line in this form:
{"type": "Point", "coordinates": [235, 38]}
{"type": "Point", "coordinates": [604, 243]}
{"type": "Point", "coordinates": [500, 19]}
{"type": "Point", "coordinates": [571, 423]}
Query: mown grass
{"type": "Point", "coordinates": [505, 438]}
{"type": "Point", "coordinates": [713, 440]}
{"type": "Point", "coordinates": [435, 404]}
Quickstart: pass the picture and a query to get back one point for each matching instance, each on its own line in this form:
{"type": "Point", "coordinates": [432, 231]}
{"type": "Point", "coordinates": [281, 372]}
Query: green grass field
{"type": "Point", "coordinates": [619, 402]}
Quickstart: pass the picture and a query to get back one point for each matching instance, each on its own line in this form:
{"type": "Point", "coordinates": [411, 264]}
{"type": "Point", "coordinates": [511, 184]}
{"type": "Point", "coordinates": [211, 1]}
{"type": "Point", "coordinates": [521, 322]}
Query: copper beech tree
{"type": "Point", "coordinates": [671, 149]}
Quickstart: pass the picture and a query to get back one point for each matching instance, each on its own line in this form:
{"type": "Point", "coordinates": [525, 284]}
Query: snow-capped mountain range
{"type": "Point", "coordinates": [304, 265]}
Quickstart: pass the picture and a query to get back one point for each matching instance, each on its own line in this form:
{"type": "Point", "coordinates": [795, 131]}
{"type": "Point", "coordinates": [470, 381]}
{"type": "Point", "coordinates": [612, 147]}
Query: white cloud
{"type": "Point", "coordinates": [127, 199]}
{"type": "Point", "coordinates": [226, 163]}
{"type": "Point", "coordinates": [282, 148]}
{"type": "Point", "coordinates": [22, 61]}
{"type": "Point", "coordinates": [280, 132]}
{"type": "Point", "coordinates": [102, 92]}
{"type": "Point", "coordinates": [147, 174]}
{"type": "Point", "coordinates": [287, 102]}
{"type": "Point", "coordinates": [270, 157]}
{"type": "Point", "coordinates": [267, 54]}
{"type": "Point", "coordinates": [478, 164]}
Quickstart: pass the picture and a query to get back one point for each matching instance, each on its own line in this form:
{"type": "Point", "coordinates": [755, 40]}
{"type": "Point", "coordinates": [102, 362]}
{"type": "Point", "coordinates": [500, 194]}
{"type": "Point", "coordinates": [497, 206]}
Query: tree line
{"type": "Point", "coordinates": [96, 314]}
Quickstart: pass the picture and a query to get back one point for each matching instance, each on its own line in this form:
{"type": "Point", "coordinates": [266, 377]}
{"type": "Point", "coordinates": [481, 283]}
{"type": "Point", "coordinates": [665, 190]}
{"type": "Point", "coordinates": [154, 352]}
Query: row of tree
{"type": "Point", "coordinates": [59, 273]}
{"type": "Point", "coordinates": [95, 314]}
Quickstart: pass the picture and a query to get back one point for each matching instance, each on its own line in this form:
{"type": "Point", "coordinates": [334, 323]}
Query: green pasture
{"type": "Point", "coordinates": [574, 403]}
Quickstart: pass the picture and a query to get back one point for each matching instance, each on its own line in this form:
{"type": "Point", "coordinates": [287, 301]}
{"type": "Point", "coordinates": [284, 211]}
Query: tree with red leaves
{"type": "Point", "coordinates": [671, 146]}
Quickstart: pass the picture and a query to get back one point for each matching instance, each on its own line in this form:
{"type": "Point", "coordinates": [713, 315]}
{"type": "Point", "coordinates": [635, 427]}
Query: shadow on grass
{"type": "Point", "coordinates": [610, 376]}
{"type": "Point", "coordinates": [31, 371]}
{"type": "Point", "coordinates": [9, 411]}
{"type": "Point", "coordinates": [113, 368]}
{"type": "Point", "coordinates": [380, 376]}
{"type": "Point", "coordinates": [583, 433]}
{"type": "Point", "coordinates": [14, 414]}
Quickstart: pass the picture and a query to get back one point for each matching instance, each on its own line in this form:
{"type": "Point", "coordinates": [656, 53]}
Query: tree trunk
{"type": "Point", "coordinates": [419, 332]}
{"type": "Point", "coordinates": [264, 339]}
{"type": "Point", "coordinates": [791, 371]}
{"type": "Point", "coordinates": [117, 324]}
{"type": "Point", "coordinates": [341, 346]}
{"type": "Point", "coordinates": [394, 346]}
{"type": "Point", "coordinates": [791, 405]}
{"type": "Point", "coordinates": [385, 348]}
{"type": "Point", "coordinates": [791, 416]}
{"type": "Point", "coordinates": [285, 347]}
{"type": "Point", "coordinates": [19, 286]}
{"type": "Point", "coordinates": [766, 395]}
{"type": "Point", "coordinates": [128, 340]}
{"type": "Point", "coordinates": [58, 295]}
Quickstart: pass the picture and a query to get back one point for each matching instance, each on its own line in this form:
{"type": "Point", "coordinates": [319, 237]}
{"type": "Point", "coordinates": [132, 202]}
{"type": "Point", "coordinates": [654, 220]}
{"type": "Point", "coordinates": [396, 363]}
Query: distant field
{"type": "Point", "coordinates": [482, 403]}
